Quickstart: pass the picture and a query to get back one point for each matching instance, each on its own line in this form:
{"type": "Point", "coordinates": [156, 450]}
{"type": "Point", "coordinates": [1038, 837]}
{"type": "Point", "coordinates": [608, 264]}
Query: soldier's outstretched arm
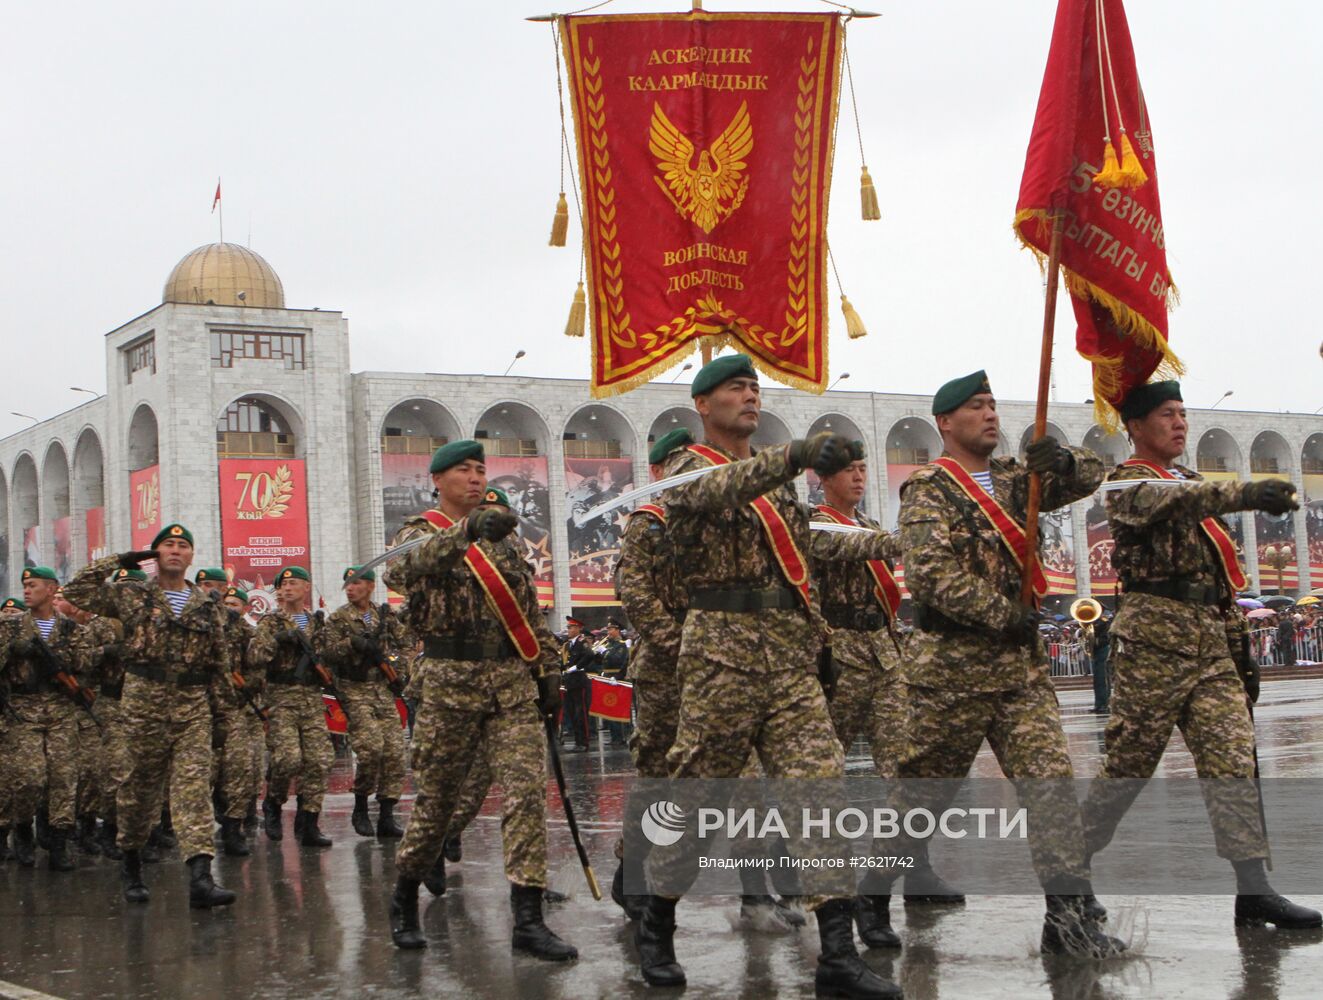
{"type": "Point", "coordinates": [935, 576]}
{"type": "Point", "coordinates": [1148, 504]}
{"type": "Point", "coordinates": [438, 555]}
{"type": "Point", "coordinates": [831, 546]}
{"type": "Point", "coordinates": [1060, 489]}
{"type": "Point", "coordinates": [731, 485]}
{"type": "Point", "coordinates": [90, 591]}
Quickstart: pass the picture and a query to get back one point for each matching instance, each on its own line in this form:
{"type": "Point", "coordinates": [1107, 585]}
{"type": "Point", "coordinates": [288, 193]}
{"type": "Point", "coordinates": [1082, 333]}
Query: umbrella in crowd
{"type": "Point", "coordinates": [1249, 604]}
{"type": "Point", "coordinates": [1306, 601]}
{"type": "Point", "coordinates": [1260, 613]}
{"type": "Point", "coordinates": [1278, 602]}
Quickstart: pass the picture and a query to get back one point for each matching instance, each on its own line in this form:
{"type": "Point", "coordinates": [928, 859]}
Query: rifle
{"type": "Point", "coordinates": [307, 659]}
{"type": "Point", "coordinates": [550, 724]}
{"type": "Point", "coordinates": [246, 693]}
{"type": "Point", "coordinates": [379, 658]}
{"type": "Point", "coordinates": [58, 673]}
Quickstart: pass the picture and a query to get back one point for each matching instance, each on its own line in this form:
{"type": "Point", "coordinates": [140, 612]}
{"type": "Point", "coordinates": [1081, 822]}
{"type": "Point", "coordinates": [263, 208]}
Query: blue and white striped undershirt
{"type": "Point", "coordinates": [301, 619]}
{"type": "Point", "coordinates": [45, 626]}
{"type": "Point", "coordinates": [1177, 473]}
{"type": "Point", "coordinates": [177, 599]}
{"type": "Point", "coordinates": [367, 617]}
{"type": "Point", "coordinates": [984, 479]}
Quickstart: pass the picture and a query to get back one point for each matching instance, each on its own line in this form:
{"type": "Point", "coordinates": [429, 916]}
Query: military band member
{"type": "Point", "coordinates": [359, 639]}
{"type": "Point", "coordinates": [285, 648]}
{"type": "Point", "coordinates": [577, 660]}
{"type": "Point", "coordinates": [976, 667]}
{"type": "Point", "coordinates": [489, 674]}
{"type": "Point", "coordinates": [749, 644]}
{"type": "Point", "coordinates": [1171, 661]}
{"type": "Point", "coordinates": [174, 640]}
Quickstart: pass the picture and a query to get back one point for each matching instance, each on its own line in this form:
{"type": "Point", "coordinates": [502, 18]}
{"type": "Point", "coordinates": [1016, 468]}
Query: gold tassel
{"type": "Point", "coordinates": [854, 326]}
{"type": "Point", "coordinates": [574, 326]}
{"type": "Point", "coordinates": [560, 222]}
{"type": "Point", "coordinates": [1110, 175]}
{"type": "Point", "coordinates": [868, 198]}
{"type": "Point", "coordinates": [1131, 169]}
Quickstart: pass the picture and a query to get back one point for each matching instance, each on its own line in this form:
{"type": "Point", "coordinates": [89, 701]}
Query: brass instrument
{"type": "Point", "coordinates": [1086, 611]}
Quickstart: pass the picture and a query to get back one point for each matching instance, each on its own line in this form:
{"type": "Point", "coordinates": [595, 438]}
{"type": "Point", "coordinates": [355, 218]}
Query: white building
{"type": "Point", "coordinates": [223, 369]}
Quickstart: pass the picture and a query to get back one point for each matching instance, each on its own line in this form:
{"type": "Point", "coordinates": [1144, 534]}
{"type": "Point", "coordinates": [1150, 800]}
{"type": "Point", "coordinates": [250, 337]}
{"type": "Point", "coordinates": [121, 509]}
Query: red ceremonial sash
{"type": "Point", "coordinates": [1012, 535]}
{"type": "Point", "coordinates": [793, 565]}
{"type": "Point", "coordinates": [884, 582]}
{"type": "Point", "coordinates": [1213, 528]}
{"type": "Point", "coordinates": [498, 592]}
{"type": "Point", "coordinates": [649, 508]}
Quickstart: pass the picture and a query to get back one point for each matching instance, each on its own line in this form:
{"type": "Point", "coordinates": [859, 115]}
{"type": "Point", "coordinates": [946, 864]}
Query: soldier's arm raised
{"type": "Point", "coordinates": [832, 546]}
{"type": "Point", "coordinates": [1060, 489]}
{"type": "Point", "coordinates": [90, 591]}
{"type": "Point", "coordinates": [439, 554]}
{"type": "Point", "coordinates": [1146, 504]}
{"type": "Point", "coordinates": [731, 485]}
{"type": "Point", "coordinates": [263, 649]}
{"type": "Point", "coordinates": [634, 583]}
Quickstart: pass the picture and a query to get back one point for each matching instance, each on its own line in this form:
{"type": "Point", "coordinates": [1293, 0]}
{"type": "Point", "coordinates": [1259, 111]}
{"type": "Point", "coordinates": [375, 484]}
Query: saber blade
{"type": "Point", "coordinates": [651, 489]}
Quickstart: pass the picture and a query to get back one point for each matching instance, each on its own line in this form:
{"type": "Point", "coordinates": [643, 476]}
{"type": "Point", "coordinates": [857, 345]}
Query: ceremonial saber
{"type": "Point", "coordinates": [593, 887]}
{"type": "Point", "coordinates": [651, 489]}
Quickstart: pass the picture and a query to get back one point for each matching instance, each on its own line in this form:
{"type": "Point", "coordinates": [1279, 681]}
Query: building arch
{"type": "Point", "coordinates": [509, 428]}
{"type": "Point", "coordinates": [1111, 448]}
{"type": "Point", "coordinates": [673, 417]}
{"type": "Point", "coordinates": [1270, 455]}
{"type": "Point", "coordinates": [1053, 430]}
{"type": "Point", "coordinates": [416, 425]}
{"type": "Point", "coordinates": [837, 423]}
{"type": "Point", "coordinates": [26, 500]}
{"type": "Point", "coordinates": [1217, 452]}
{"type": "Point", "coordinates": [58, 547]}
{"type": "Point", "coordinates": [259, 425]}
{"type": "Point", "coordinates": [772, 431]}
{"type": "Point", "coordinates": [599, 430]}
{"type": "Point", "coordinates": [89, 472]}
{"type": "Point", "coordinates": [144, 439]}
{"type": "Point", "coordinates": [4, 534]}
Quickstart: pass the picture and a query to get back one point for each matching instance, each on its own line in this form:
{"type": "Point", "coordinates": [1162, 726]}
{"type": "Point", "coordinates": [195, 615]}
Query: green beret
{"type": "Point", "coordinates": [957, 392]}
{"type": "Point", "coordinates": [40, 573]}
{"type": "Point", "coordinates": [722, 369]}
{"type": "Point", "coordinates": [454, 453]}
{"type": "Point", "coordinates": [496, 495]}
{"type": "Point", "coordinates": [667, 443]}
{"type": "Point", "coordinates": [857, 451]}
{"type": "Point", "coordinates": [130, 574]}
{"type": "Point", "coordinates": [370, 575]}
{"type": "Point", "coordinates": [1144, 399]}
{"type": "Point", "coordinates": [292, 572]}
{"type": "Point", "coordinates": [14, 604]}
{"type": "Point", "coordinates": [237, 592]}
{"type": "Point", "coordinates": [211, 575]}
{"type": "Point", "coordinates": [172, 531]}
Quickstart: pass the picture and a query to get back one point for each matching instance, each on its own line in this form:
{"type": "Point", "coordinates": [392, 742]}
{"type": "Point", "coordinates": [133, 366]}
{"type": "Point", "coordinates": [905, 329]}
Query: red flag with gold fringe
{"type": "Point", "coordinates": [705, 155]}
{"type": "Point", "coordinates": [1091, 159]}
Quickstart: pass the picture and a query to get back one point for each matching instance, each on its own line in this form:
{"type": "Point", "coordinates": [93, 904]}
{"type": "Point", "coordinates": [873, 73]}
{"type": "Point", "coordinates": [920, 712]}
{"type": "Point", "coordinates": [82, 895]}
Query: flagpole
{"type": "Point", "coordinates": [1040, 413]}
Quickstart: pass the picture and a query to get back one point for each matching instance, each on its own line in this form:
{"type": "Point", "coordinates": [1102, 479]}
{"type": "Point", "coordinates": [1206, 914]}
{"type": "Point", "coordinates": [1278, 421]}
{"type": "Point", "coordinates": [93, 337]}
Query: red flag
{"type": "Point", "coordinates": [216, 200]}
{"type": "Point", "coordinates": [611, 699]}
{"type": "Point", "coordinates": [1113, 248]}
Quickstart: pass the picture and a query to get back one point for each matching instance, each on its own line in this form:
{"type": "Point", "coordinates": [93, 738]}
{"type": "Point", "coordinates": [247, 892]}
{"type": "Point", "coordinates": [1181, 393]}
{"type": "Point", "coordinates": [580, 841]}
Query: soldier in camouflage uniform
{"type": "Point", "coordinates": [749, 647]}
{"type": "Point", "coordinates": [113, 757]}
{"type": "Point", "coordinates": [477, 684]}
{"type": "Point", "coordinates": [42, 742]}
{"type": "Point", "coordinates": [284, 648]}
{"type": "Point", "coordinates": [244, 782]}
{"type": "Point", "coordinates": [976, 667]}
{"type": "Point", "coordinates": [174, 640]}
{"type": "Point", "coordinates": [1171, 660]}
{"type": "Point", "coordinates": [11, 607]}
{"type": "Point", "coordinates": [357, 640]}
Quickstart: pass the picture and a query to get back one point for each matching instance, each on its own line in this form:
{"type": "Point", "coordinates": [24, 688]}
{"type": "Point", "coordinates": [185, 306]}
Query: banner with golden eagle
{"type": "Point", "coordinates": [705, 153]}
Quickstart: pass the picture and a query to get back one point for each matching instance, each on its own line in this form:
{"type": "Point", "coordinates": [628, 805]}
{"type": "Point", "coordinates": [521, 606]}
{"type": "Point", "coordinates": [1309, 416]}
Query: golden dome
{"type": "Point", "coordinates": [216, 274]}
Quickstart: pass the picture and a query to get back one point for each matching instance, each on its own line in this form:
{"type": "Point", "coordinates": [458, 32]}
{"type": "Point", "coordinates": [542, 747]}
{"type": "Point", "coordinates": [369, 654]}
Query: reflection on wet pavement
{"type": "Point", "coordinates": [313, 924]}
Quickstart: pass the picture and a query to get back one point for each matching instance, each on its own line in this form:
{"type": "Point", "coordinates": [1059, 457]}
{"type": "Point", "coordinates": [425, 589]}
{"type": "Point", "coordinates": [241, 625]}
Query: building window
{"type": "Point", "coordinates": [251, 429]}
{"type": "Point", "coordinates": [228, 346]}
{"type": "Point", "coordinates": [140, 357]}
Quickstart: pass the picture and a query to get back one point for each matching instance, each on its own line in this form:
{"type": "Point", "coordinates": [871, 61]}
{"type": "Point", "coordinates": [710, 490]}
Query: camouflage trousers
{"type": "Point", "coordinates": [472, 794]}
{"type": "Point", "coordinates": [377, 738]}
{"type": "Point", "coordinates": [300, 744]}
{"type": "Point", "coordinates": [1155, 691]}
{"type": "Point", "coordinates": [42, 757]}
{"type": "Point", "coordinates": [91, 771]}
{"type": "Point", "coordinates": [657, 714]}
{"type": "Point", "coordinates": [445, 739]}
{"type": "Point", "coordinates": [870, 702]}
{"type": "Point", "coordinates": [167, 732]}
{"type": "Point", "coordinates": [243, 746]}
{"type": "Point", "coordinates": [1023, 728]}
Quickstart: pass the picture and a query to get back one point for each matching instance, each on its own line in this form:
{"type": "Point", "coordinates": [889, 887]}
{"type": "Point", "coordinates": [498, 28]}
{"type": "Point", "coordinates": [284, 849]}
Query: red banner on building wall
{"type": "Point", "coordinates": [94, 533]}
{"type": "Point", "coordinates": [595, 545]}
{"type": "Point", "coordinates": [62, 533]}
{"type": "Point", "coordinates": [705, 154]}
{"type": "Point", "coordinates": [145, 505]}
{"type": "Point", "coordinates": [524, 481]}
{"type": "Point", "coordinates": [264, 518]}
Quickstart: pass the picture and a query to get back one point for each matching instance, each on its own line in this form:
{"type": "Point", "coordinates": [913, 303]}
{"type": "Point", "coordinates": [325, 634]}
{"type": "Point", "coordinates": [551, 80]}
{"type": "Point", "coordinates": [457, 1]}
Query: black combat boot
{"type": "Point", "coordinates": [87, 840]}
{"type": "Point", "coordinates": [360, 819]}
{"type": "Point", "coordinates": [841, 972]}
{"type": "Point", "coordinates": [24, 845]}
{"type": "Point", "coordinates": [655, 938]}
{"type": "Point", "coordinates": [165, 833]}
{"type": "Point", "coordinates": [58, 859]}
{"type": "Point", "coordinates": [250, 820]}
{"type": "Point", "coordinates": [435, 880]}
{"type": "Point", "coordinates": [135, 889]}
{"type": "Point", "coordinates": [43, 828]}
{"type": "Point", "coordinates": [5, 852]}
{"type": "Point", "coordinates": [107, 836]}
{"type": "Point", "coordinates": [157, 843]}
{"type": "Point", "coordinates": [1068, 931]}
{"type": "Point", "coordinates": [386, 825]}
{"type": "Point", "coordinates": [531, 934]}
{"type": "Point", "coordinates": [311, 835]}
{"type": "Point", "coordinates": [873, 916]}
{"type": "Point", "coordinates": [632, 905]}
{"type": "Point", "coordinates": [233, 841]}
{"type": "Point", "coordinates": [454, 850]}
{"type": "Point", "coordinates": [203, 892]}
{"type": "Point", "coordinates": [1257, 904]}
{"type": "Point", "coordinates": [923, 885]}
{"type": "Point", "coordinates": [271, 813]}
{"type": "Point", "coordinates": [298, 816]}
{"type": "Point", "coordinates": [404, 927]}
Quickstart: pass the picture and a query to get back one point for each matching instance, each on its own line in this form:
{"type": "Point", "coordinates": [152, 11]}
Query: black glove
{"type": "Point", "coordinates": [289, 637]}
{"type": "Point", "coordinates": [131, 560]}
{"type": "Point", "coordinates": [1272, 496]}
{"type": "Point", "coordinates": [1047, 455]}
{"type": "Point", "coordinates": [1249, 676]}
{"type": "Point", "coordinates": [1025, 628]}
{"type": "Point", "coordinates": [491, 523]}
{"type": "Point", "coordinates": [829, 672]}
{"type": "Point", "coordinates": [548, 693]}
{"type": "Point", "coordinates": [825, 453]}
{"type": "Point", "coordinates": [360, 644]}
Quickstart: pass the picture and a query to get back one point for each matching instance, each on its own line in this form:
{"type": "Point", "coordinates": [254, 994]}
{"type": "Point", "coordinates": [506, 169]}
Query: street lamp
{"type": "Point", "coordinates": [518, 355]}
{"type": "Point", "coordinates": [15, 413]}
{"type": "Point", "coordinates": [687, 366]}
{"type": "Point", "coordinates": [839, 378]}
{"type": "Point", "coordinates": [79, 388]}
{"type": "Point", "coordinates": [1222, 397]}
{"type": "Point", "coordinates": [1279, 557]}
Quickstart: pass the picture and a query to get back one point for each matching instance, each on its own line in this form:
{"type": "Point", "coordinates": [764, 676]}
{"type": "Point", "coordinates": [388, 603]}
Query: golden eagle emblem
{"type": "Point", "coordinates": [710, 192]}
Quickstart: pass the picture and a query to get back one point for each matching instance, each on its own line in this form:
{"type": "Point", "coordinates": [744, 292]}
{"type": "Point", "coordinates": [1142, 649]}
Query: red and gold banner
{"type": "Point", "coordinates": [264, 518]}
{"type": "Point", "coordinates": [524, 481]}
{"type": "Point", "coordinates": [705, 154]}
{"type": "Point", "coordinates": [612, 700]}
{"type": "Point", "coordinates": [145, 504]}
{"type": "Point", "coordinates": [1113, 248]}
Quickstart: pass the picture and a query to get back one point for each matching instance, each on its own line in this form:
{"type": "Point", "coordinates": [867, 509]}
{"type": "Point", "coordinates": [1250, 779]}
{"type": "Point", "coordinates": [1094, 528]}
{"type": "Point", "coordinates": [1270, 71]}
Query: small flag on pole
{"type": "Point", "coordinates": [216, 200]}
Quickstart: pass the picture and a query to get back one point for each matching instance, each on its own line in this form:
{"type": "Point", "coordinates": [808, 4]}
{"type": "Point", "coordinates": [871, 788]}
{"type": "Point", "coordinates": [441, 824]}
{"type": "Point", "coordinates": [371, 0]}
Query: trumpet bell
{"type": "Point", "coordinates": [1086, 610]}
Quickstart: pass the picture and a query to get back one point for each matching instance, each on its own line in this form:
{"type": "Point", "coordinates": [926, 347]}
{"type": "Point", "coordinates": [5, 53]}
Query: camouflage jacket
{"type": "Point", "coordinates": [1157, 536]}
{"type": "Point", "coordinates": [238, 636]}
{"type": "Point", "coordinates": [648, 585]}
{"type": "Point", "coordinates": [343, 624]}
{"type": "Point", "coordinates": [280, 662]}
{"type": "Point", "coordinates": [105, 663]}
{"type": "Point", "coordinates": [848, 583]}
{"type": "Point", "coordinates": [28, 674]}
{"type": "Point", "coordinates": [957, 565]}
{"type": "Point", "coordinates": [154, 636]}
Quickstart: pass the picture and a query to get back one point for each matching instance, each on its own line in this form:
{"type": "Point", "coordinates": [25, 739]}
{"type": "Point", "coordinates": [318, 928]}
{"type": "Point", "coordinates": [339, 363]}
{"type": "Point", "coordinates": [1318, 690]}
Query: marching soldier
{"type": "Point", "coordinates": [359, 643]}
{"type": "Point", "coordinates": [246, 784]}
{"type": "Point", "coordinates": [1171, 662]}
{"type": "Point", "coordinates": [749, 643]}
{"type": "Point", "coordinates": [42, 746]}
{"type": "Point", "coordinates": [11, 607]}
{"type": "Point", "coordinates": [112, 760]}
{"type": "Point", "coordinates": [615, 664]}
{"type": "Point", "coordinates": [489, 675]}
{"type": "Point", "coordinates": [577, 660]}
{"type": "Point", "coordinates": [284, 647]}
{"type": "Point", "coordinates": [976, 667]}
{"type": "Point", "coordinates": [174, 639]}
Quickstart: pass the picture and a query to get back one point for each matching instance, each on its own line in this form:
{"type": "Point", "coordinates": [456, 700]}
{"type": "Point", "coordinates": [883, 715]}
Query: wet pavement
{"type": "Point", "coordinates": [313, 923]}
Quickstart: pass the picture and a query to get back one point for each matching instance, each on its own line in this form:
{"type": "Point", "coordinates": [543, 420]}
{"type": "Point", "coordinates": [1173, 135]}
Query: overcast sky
{"type": "Point", "coordinates": [399, 163]}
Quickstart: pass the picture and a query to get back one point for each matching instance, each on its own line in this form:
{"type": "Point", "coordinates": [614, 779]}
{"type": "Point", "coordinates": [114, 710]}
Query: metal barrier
{"type": "Point", "coordinates": [1069, 659]}
{"type": "Point", "coordinates": [1265, 646]}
